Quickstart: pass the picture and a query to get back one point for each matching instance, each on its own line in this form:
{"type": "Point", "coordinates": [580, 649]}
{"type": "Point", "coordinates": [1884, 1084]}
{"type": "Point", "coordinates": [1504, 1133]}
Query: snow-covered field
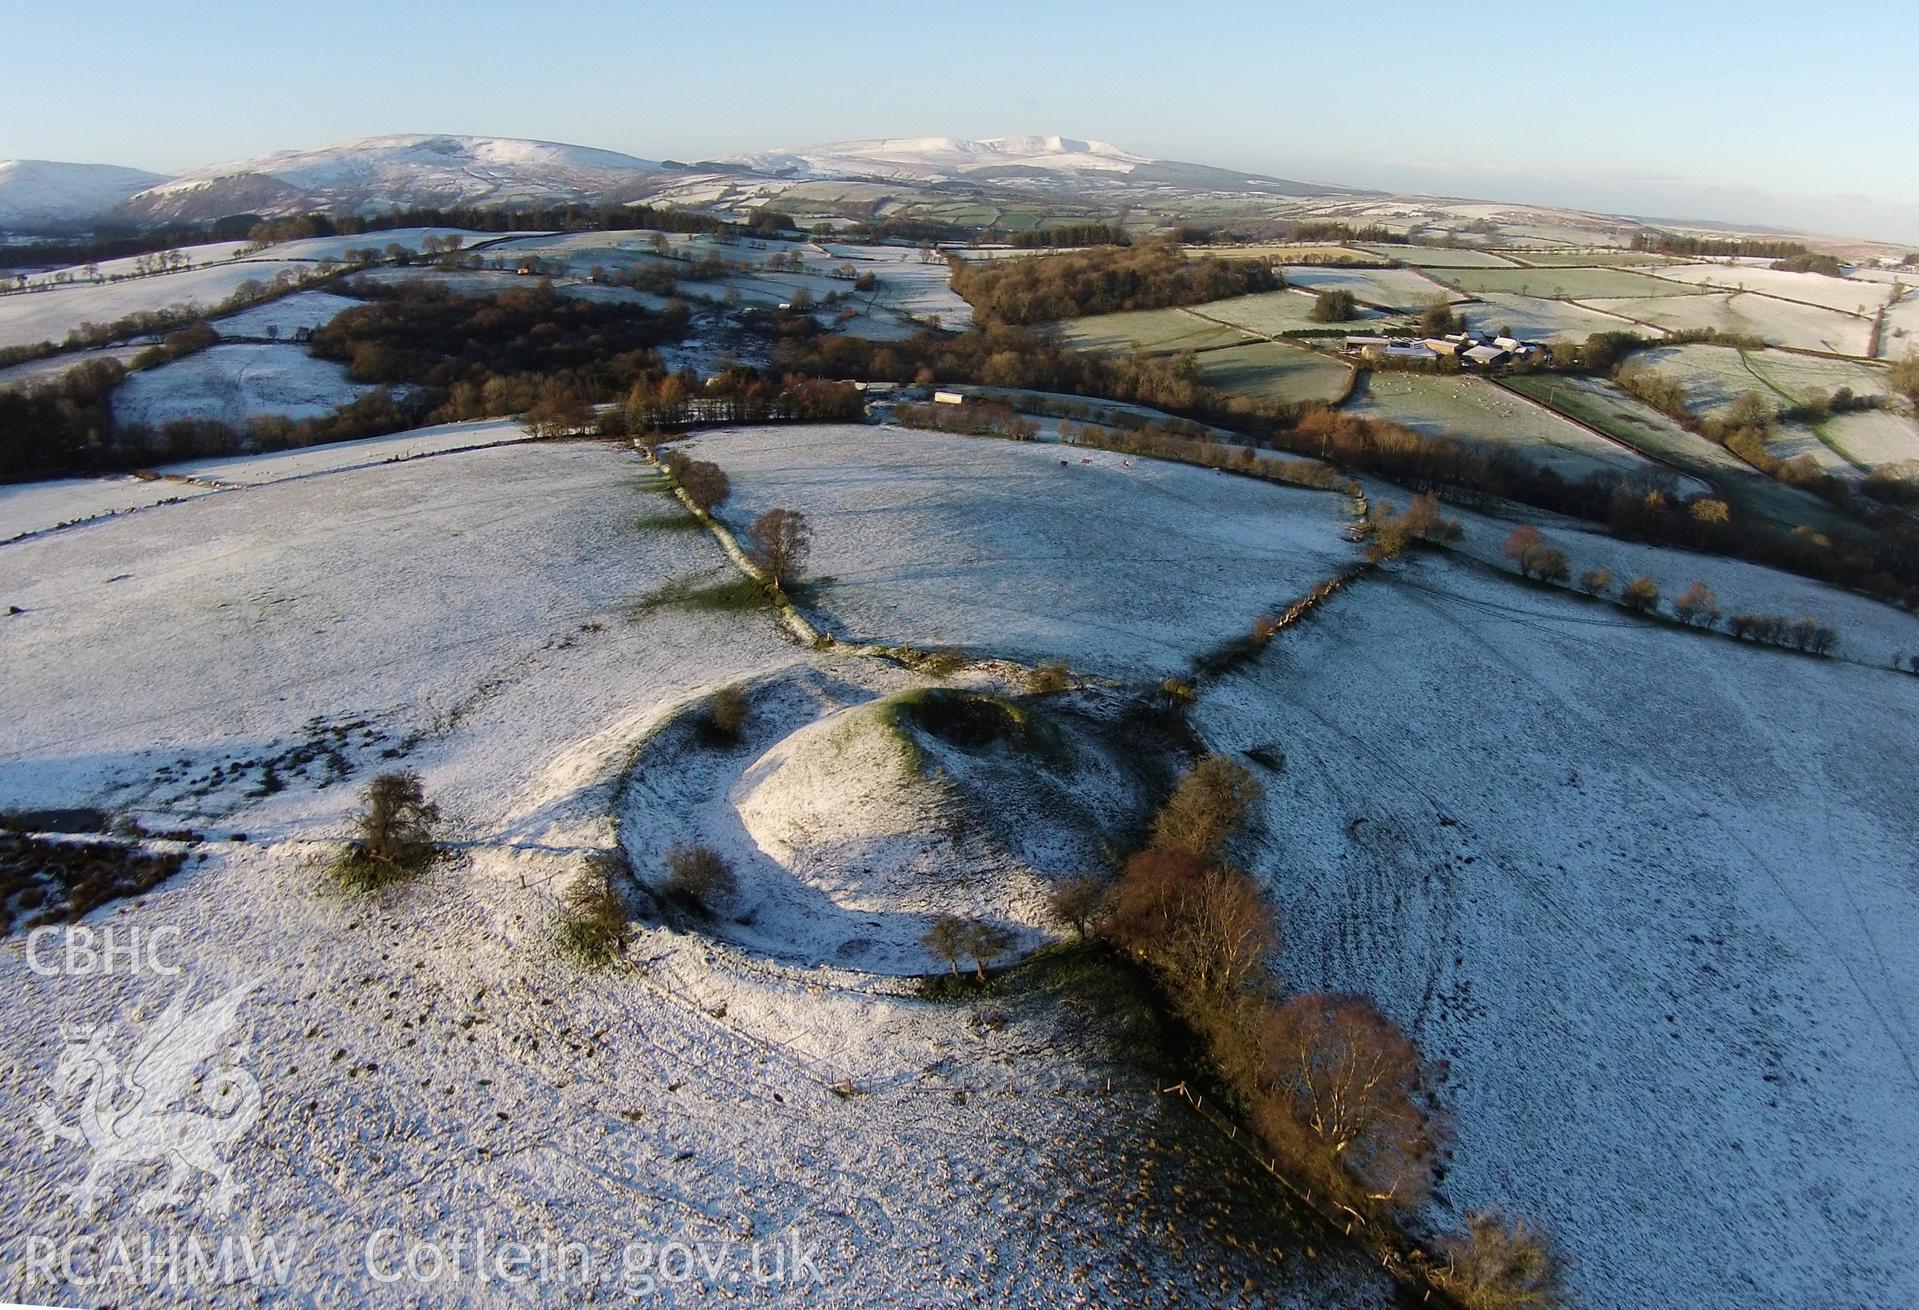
{"type": "Point", "coordinates": [1534, 318]}
{"type": "Point", "coordinates": [301, 311]}
{"type": "Point", "coordinates": [50, 315]}
{"type": "Point", "coordinates": [1651, 896]}
{"type": "Point", "coordinates": [1474, 409]}
{"type": "Point", "coordinates": [231, 383]}
{"type": "Point", "coordinates": [1778, 322]}
{"type": "Point", "coordinates": [29, 507]}
{"type": "Point", "coordinates": [407, 238]}
{"type": "Point", "coordinates": [1385, 288]}
{"type": "Point", "coordinates": [995, 547]}
{"type": "Point", "coordinates": [428, 1065]}
{"type": "Point", "coordinates": [1810, 288]}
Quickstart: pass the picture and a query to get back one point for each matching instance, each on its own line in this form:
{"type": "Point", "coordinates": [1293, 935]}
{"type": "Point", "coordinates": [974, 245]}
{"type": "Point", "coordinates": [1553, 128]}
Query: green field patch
{"type": "Point", "coordinates": [1154, 331]}
{"type": "Point", "coordinates": [1627, 419]}
{"type": "Point", "coordinates": [1272, 370]}
{"type": "Point", "coordinates": [1561, 283]}
{"type": "Point", "coordinates": [1473, 409]}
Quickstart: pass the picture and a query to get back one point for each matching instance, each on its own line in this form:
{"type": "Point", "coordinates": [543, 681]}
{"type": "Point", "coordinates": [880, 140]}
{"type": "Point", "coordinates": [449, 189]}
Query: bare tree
{"type": "Point", "coordinates": [1341, 1097]}
{"type": "Point", "coordinates": [395, 823]}
{"type": "Point", "coordinates": [1208, 806]}
{"type": "Point", "coordinates": [700, 875]}
{"type": "Point", "coordinates": [945, 939]}
{"type": "Point", "coordinates": [1641, 594]}
{"type": "Point", "coordinates": [1075, 902]}
{"type": "Point", "coordinates": [778, 542]}
{"type": "Point", "coordinates": [1500, 1264]}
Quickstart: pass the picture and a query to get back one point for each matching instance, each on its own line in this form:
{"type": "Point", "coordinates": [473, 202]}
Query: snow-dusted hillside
{"type": "Point", "coordinates": [45, 193]}
{"type": "Point", "coordinates": [388, 172]}
{"type": "Point", "coordinates": [937, 158]}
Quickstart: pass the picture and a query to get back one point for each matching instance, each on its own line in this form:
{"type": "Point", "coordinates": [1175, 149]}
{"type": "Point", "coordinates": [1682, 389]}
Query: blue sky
{"type": "Point", "coordinates": [1795, 115]}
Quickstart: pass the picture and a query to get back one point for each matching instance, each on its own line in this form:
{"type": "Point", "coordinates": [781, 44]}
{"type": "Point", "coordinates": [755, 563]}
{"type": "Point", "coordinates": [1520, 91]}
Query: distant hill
{"type": "Point", "coordinates": [391, 172]}
{"type": "Point", "coordinates": [36, 193]}
{"type": "Point", "coordinates": [1031, 160]}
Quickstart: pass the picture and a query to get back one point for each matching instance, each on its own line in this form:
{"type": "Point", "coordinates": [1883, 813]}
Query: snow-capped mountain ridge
{"type": "Point", "coordinates": [34, 192]}
{"type": "Point", "coordinates": [389, 172]}
{"type": "Point", "coordinates": [938, 158]}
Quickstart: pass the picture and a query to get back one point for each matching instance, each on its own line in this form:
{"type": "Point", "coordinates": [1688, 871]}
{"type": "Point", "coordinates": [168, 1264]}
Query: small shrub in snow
{"type": "Point", "coordinates": [1075, 902]}
{"type": "Point", "coordinates": [593, 920]}
{"type": "Point", "coordinates": [1697, 604]}
{"type": "Point", "coordinates": [1641, 594]}
{"type": "Point", "coordinates": [699, 876]}
{"type": "Point", "coordinates": [1596, 582]}
{"type": "Point", "coordinates": [1498, 1264]}
{"type": "Point", "coordinates": [393, 832]}
{"type": "Point", "coordinates": [1208, 806]}
{"type": "Point", "coordinates": [726, 713]}
{"type": "Point", "coordinates": [1050, 677]}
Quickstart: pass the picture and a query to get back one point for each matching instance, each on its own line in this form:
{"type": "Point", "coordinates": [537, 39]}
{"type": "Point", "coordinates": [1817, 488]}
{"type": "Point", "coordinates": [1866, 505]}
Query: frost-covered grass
{"type": "Point", "coordinates": [38, 506]}
{"type": "Point", "coordinates": [301, 311]}
{"type": "Point", "coordinates": [1715, 376]}
{"type": "Point", "coordinates": [50, 315]}
{"type": "Point", "coordinates": [466, 616]}
{"type": "Point", "coordinates": [994, 546]}
{"type": "Point", "coordinates": [1900, 335]}
{"type": "Point", "coordinates": [1604, 406]}
{"type": "Point", "coordinates": [1873, 437]}
{"type": "Point", "coordinates": [231, 383]}
{"type": "Point", "coordinates": [1640, 892]}
{"type": "Point", "coordinates": [1270, 313]}
{"type": "Point", "coordinates": [1778, 322]}
{"type": "Point", "coordinates": [1154, 331]}
{"type": "Point", "coordinates": [1561, 283]}
{"type": "Point", "coordinates": [1533, 318]}
{"type": "Point", "coordinates": [1474, 409]}
{"type": "Point", "coordinates": [1590, 258]}
{"type": "Point", "coordinates": [36, 371]}
{"type": "Point", "coordinates": [214, 252]}
{"type": "Point", "coordinates": [1437, 257]}
{"type": "Point", "coordinates": [1273, 370]}
{"type": "Point", "coordinates": [27, 507]}
{"type": "Point", "coordinates": [1396, 289]}
{"type": "Point", "coordinates": [1851, 296]}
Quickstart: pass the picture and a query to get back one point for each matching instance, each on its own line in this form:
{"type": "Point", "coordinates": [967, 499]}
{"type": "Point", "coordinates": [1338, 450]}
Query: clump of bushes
{"type": "Point", "coordinates": [1528, 548]}
{"type": "Point", "coordinates": [43, 881]}
{"type": "Point", "coordinates": [593, 919]}
{"type": "Point", "coordinates": [393, 833]}
{"type": "Point", "coordinates": [704, 482]}
{"type": "Point", "coordinates": [1500, 1264]}
{"type": "Point", "coordinates": [1809, 635]}
{"type": "Point", "coordinates": [726, 714]}
{"type": "Point", "coordinates": [1049, 678]}
{"type": "Point", "coordinates": [1389, 533]}
{"type": "Point", "coordinates": [952, 938]}
{"type": "Point", "coordinates": [699, 878]}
